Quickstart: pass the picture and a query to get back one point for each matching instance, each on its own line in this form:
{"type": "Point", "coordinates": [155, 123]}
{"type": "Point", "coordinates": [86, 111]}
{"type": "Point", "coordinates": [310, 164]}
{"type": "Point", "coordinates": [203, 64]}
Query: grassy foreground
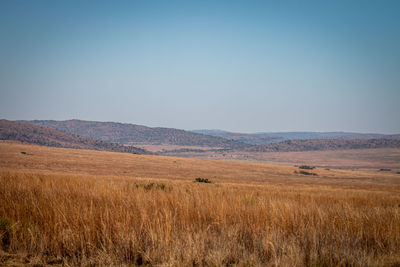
{"type": "Point", "coordinates": [79, 217]}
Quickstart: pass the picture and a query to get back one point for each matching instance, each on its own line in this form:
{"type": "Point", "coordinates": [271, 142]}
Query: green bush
{"type": "Point", "coordinates": [202, 180]}
{"type": "Point", "coordinates": [306, 167]}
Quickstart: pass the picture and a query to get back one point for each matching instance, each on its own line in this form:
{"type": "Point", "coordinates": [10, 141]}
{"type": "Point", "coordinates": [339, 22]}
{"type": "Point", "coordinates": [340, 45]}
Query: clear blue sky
{"type": "Point", "coordinates": [244, 66]}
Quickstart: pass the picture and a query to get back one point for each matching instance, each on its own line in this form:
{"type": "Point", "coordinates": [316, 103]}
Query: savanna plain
{"type": "Point", "coordinates": [71, 207]}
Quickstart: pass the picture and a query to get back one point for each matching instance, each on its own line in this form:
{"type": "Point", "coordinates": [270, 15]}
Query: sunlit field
{"type": "Point", "coordinates": [80, 207]}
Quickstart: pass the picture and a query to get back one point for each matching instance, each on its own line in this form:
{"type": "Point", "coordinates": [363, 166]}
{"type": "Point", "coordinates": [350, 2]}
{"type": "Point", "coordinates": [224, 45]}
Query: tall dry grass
{"type": "Point", "coordinates": [84, 220]}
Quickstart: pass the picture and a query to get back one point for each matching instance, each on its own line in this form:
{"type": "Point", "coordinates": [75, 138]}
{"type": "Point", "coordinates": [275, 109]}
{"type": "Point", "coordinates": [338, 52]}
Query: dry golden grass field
{"type": "Point", "coordinates": [79, 207]}
{"type": "Point", "coordinates": [355, 159]}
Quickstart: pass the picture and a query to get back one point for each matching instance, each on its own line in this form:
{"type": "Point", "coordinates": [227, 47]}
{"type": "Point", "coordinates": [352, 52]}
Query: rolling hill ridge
{"type": "Point", "coordinates": [276, 137]}
{"type": "Point", "coordinates": [34, 134]}
{"type": "Point", "coordinates": [325, 144]}
{"type": "Point", "coordinates": [124, 133]}
{"type": "Point", "coordinates": [214, 140]}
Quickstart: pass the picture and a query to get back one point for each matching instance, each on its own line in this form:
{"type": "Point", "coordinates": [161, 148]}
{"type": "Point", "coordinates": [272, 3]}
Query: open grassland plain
{"type": "Point", "coordinates": [360, 159]}
{"type": "Point", "coordinates": [80, 207]}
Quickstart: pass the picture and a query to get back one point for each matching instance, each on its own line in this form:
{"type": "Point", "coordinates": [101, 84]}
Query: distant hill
{"type": "Point", "coordinates": [327, 144]}
{"type": "Point", "coordinates": [276, 137]}
{"type": "Point", "coordinates": [82, 134]}
{"type": "Point", "coordinates": [251, 139]}
{"type": "Point", "coordinates": [124, 133]}
{"type": "Point", "coordinates": [34, 134]}
{"type": "Point", "coordinates": [322, 135]}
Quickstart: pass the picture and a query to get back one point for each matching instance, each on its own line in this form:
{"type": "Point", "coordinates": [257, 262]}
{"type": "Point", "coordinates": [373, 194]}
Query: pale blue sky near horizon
{"type": "Point", "coordinates": [243, 66]}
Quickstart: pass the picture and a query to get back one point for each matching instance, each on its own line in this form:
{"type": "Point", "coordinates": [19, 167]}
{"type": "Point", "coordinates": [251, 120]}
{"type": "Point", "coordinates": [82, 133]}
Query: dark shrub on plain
{"type": "Point", "coordinates": [202, 180]}
{"type": "Point", "coordinates": [306, 167]}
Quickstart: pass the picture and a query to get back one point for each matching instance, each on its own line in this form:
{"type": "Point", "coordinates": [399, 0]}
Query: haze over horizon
{"type": "Point", "coordinates": [238, 66]}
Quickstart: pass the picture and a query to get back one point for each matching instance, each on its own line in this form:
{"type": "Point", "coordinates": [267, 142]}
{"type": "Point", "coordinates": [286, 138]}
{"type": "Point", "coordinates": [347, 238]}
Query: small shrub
{"type": "Point", "coordinates": [202, 180]}
{"type": "Point", "coordinates": [384, 170]}
{"type": "Point", "coordinates": [23, 152]}
{"type": "Point", "coordinates": [306, 167]}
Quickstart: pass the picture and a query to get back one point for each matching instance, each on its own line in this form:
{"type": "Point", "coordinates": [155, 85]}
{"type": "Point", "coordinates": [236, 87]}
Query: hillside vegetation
{"type": "Point", "coordinates": [33, 134]}
{"type": "Point", "coordinates": [124, 133]}
{"type": "Point", "coordinates": [124, 209]}
{"type": "Point", "coordinates": [217, 140]}
{"type": "Point", "coordinates": [251, 139]}
{"type": "Point", "coordinates": [276, 137]}
{"type": "Point", "coordinates": [325, 144]}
